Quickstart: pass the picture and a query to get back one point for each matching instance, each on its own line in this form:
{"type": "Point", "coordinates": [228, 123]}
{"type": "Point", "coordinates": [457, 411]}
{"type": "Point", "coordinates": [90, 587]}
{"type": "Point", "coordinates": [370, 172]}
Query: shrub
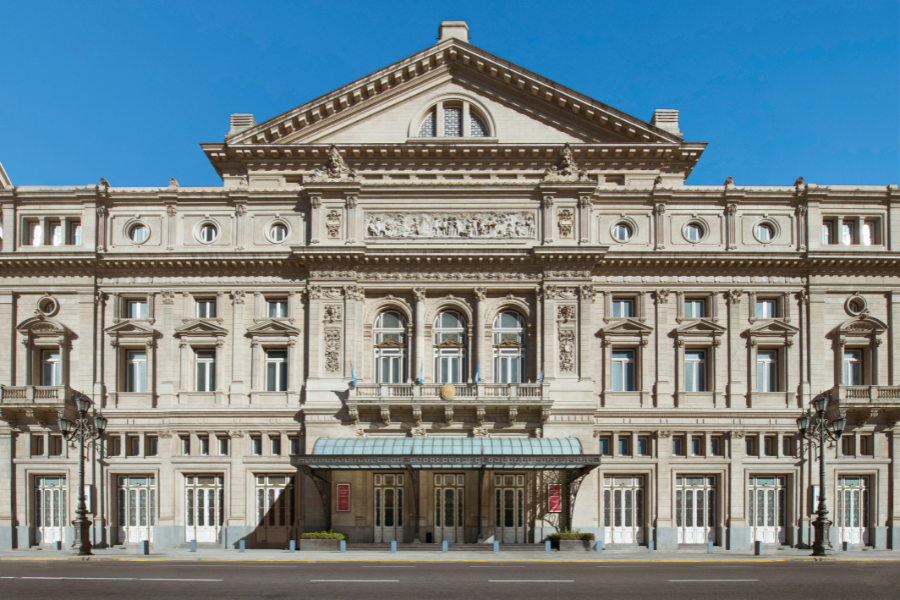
{"type": "Point", "coordinates": [323, 535]}
{"type": "Point", "coordinates": [567, 534]}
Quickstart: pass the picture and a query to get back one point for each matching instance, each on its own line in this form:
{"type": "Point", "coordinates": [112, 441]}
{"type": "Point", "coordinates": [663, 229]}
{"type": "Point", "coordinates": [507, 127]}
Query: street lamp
{"type": "Point", "coordinates": [817, 429]}
{"type": "Point", "coordinates": [83, 430]}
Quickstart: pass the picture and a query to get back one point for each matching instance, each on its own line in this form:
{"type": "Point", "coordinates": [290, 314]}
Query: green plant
{"type": "Point", "coordinates": [567, 534]}
{"type": "Point", "coordinates": [323, 535]}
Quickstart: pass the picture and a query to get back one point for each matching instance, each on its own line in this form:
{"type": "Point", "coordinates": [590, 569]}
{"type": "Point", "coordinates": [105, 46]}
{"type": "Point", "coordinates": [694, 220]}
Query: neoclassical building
{"type": "Point", "coordinates": [450, 301]}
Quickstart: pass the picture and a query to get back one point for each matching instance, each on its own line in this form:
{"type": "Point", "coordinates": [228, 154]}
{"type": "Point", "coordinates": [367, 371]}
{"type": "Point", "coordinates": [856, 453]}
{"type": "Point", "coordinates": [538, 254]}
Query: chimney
{"type": "Point", "coordinates": [240, 122]}
{"type": "Point", "coordinates": [453, 29]}
{"type": "Point", "coordinates": [667, 120]}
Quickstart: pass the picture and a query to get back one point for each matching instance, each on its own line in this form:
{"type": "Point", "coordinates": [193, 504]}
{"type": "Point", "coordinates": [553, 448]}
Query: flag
{"type": "Point", "coordinates": [421, 375]}
{"type": "Point", "coordinates": [353, 374]}
{"type": "Point", "coordinates": [542, 375]}
{"type": "Point", "coordinates": [478, 374]}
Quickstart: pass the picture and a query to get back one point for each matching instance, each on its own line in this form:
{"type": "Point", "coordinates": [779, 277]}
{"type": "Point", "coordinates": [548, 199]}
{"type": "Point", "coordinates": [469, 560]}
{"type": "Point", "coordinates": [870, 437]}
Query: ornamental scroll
{"type": "Point", "coordinates": [477, 225]}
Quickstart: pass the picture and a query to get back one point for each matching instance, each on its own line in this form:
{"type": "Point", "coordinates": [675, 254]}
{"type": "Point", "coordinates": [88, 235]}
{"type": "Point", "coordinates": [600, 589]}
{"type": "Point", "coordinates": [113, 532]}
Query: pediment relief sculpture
{"type": "Point", "coordinates": [391, 341]}
{"type": "Point", "coordinates": [450, 342]}
{"type": "Point", "coordinates": [335, 169]}
{"type": "Point", "coordinates": [39, 327]}
{"type": "Point", "coordinates": [510, 341]}
{"type": "Point", "coordinates": [566, 169]}
{"type": "Point", "coordinates": [864, 326]}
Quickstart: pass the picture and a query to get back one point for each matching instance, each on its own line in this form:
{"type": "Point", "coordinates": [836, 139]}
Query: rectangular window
{"type": "Point", "coordinates": [152, 446]}
{"type": "Point", "coordinates": [51, 368]}
{"type": "Point", "coordinates": [604, 446]}
{"type": "Point", "coordinates": [37, 445]}
{"type": "Point", "coordinates": [114, 445]}
{"type": "Point", "coordinates": [206, 309]}
{"type": "Point", "coordinates": [134, 446]}
{"type": "Point", "coordinates": [56, 445]}
{"type": "Point", "coordinates": [715, 446]}
{"type": "Point", "coordinates": [295, 446]}
{"type": "Point", "coordinates": [623, 447]}
{"type": "Point", "coordinates": [827, 232]}
{"type": "Point", "coordinates": [787, 446]}
{"type": "Point", "coordinates": [750, 448]}
{"type": "Point", "coordinates": [186, 445]}
{"type": "Point", "coordinates": [206, 370]}
{"type": "Point", "coordinates": [136, 371]}
{"type": "Point", "coordinates": [769, 446]}
{"type": "Point", "coordinates": [622, 308]}
{"type": "Point", "coordinates": [136, 309]}
{"type": "Point", "coordinates": [643, 446]}
{"type": "Point", "coordinates": [54, 228]}
{"type": "Point", "coordinates": [256, 446]}
{"type": "Point", "coordinates": [848, 236]}
{"type": "Point", "coordinates": [767, 371]}
{"type": "Point", "coordinates": [276, 446]}
{"type": "Point", "coordinates": [677, 446]}
{"type": "Point", "coordinates": [277, 309]}
{"type": "Point", "coordinates": [853, 367]}
{"type": "Point", "coordinates": [870, 232]}
{"type": "Point", "coordinates": [766, 309]}
{"type": "Point", "coordinates": [694, 309]}
{"type": "Point", "coordinates": [695, 371]}
{"type": "Point", "coordinates": [847, 445]}
{"type": "Point", "coordinates": [35, 234]}
{"type": "Point", "coordinates": [623, 371]}
{"type": "Point", "coordinates": [865, 445]}
{"type": "Point", "coordinates": [204, 445]}
{"type": "Point", "coordinates": [276, 371]}
{"type": "Point", "coordinates": [696, 446]}
{"type": "Point", "coordinates": [75, 233]}
{"type": "Point", "coordinates": [223, 446]}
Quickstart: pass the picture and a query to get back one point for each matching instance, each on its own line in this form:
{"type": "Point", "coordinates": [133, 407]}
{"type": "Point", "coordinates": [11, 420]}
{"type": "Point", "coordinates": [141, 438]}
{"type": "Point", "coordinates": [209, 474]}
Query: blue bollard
{"type": "Point", "coordinates": [193, 545]}
{"type": "Point", "coordinates": [445, 546]}
{"type": "Point", "coordinates": [293, 545]}
{"type": "Point", "coordinates": [496, 546]}
{"type": "Point", "coordinates": [599, 546]}
{"type": "Point", "coordinates": [58, 545]}
{"type": "Point", "coordinates": [343, 545]}
{"type": "Point", "coordinates": [758, 548]}
{"type": "Point", "coordinates": [709, 547]}
{"type": "Point", "coordinates": [145, 547]}
{"type": "Point", "coordinates": [393, 547]}
{"type": "Point", "coordinates": [241, 546]}
{"type": "Point", "coordinates": [845, 546]}
{"type": "Point", "coordinates": [547, 547]}
{"type": "Point", "coordinates": [650, 547]}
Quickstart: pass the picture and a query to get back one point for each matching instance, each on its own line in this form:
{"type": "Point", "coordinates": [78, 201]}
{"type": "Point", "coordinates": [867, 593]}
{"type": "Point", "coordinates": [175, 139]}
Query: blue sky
{"type": "Point", "coordinates": [127, 90]}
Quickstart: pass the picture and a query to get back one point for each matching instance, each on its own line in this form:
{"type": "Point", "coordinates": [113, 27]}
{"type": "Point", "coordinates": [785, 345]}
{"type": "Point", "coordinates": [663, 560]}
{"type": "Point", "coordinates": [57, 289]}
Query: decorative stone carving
{"type": "Point", "coordinates": [333, 351]}
{"type": "Point", "coordinates": [409, 275]}
{"type": "Point", "coordinates": [237, 297]}
{"type": "Point", "coordinates": [538, 432]}
{"type": "Point", "coordinates": [662, 296]}
{"type": "Point", "coordinates": [333, 224]}
{"type": "Point", "coordinates": [479, 415]}
{"type": "Point", "coordinates": [734, 296]}
{"type": "Point", "coordinates": [448, 415]}
{"type": "Point", "coordinates": [565, 222]}
{"type": "Point", "coordinates": [567, 351]}
{"type": "Point", "coordinates": [419, 294]}
{"type": "Point", "coordinates": [737, 435]}
{"type": "Point", "coordinates": [240, 210]}
{"type": "Point", "coordinates": [418, 432]}
{"type": "Point", "coordinates": [566, 169]}
{"type": "Point", "coordinates": [476, 225]}
{"type": "Point", "coordinates": [480, 432]}
{"type": "Point", "coordinates": [236, 434]}
{"type": "Point", "coordinates": [353, 412]}
{"type": "Point", "coordinates": [171, 210]}
{"type": "Point", "coordinates": [332, 314]}
{"type": "Point", "coordinates": [545, 414]}
{"type": "Point", "coordinates": [587, 292]}
{"type": "Point", "coordinates": [481, 294]}
{"type": "Point", "coordinates": [513, 413]}
{"type": "Point", "coordinates": [664, 434]}
{"type": "Point", "coordinates": [315, 201]}
{"type": "Point", "coordinates": [417, 415]}
{"type": "Point", "coordinates": [385, 414]}
{"type": "Point", "coordinates": [567, 274]}
{"type": "Point", "coordinates": [318, 292]}
{"type": "Point", "coordinates": [167, 297]}
{"type": "Point", "coordinates": [335, 168]}
{"type": "Point", "coordinates": [565, 313]}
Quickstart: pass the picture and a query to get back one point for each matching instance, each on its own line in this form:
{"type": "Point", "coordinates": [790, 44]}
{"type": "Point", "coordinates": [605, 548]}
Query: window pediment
{"type": "Point", "coordinates": [774, 331]}
{"type": "Point", "coordinates": [451, 342]}
{"type": "Point", "coordinates": [626, 330]}
{"type": "Point", "coordinates": [40, 327]}
{"type": "Point", "coordinates": [131, 332]}
{"type": "Point", "coordinates": [860, 328]}
{"type": "Point", "coordinates": [272, 327]}
{"type": "Point", "coordinates": [391, 341]}
{"type": "Point", "coordinates": [702, 330]}
{"type": "Point", "coordinates": [200, 328]}
{"type": "Point", "coordinates": [510, 341]}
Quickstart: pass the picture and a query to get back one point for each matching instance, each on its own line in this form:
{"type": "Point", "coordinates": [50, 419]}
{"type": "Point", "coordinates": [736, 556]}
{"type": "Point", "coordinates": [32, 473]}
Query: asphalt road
{"type": "Point", "coordinates": [425, 581]}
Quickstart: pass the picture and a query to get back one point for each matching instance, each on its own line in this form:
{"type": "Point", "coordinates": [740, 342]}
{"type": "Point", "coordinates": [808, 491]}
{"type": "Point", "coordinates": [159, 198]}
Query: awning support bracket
{"type": "Point", "coordinates": [323, 484]}
{"type": "Point", "coordinates": [574, 479]}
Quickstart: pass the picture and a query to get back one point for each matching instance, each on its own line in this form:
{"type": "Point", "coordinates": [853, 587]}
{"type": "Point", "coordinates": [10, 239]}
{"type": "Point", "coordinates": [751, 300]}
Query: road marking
{"type": "Point", "coordinates": [623, 566]}
{"type": "Point", "coordinates": [717, 580]}
{"type": "Point", "coordinates": [389, 566]}
{"type": "Point", "coordinates": [113, 578]}
{"type": "Point", "coordinates": [531, 581]}
{"type": "Point", "coordinates": [722, 567]}
{"type": "Point", "coordinates": [495, 567]}
{"type": "Point", "coordinates": [354, 581]}
{"type": "Point", "coordinates": [162, 579]}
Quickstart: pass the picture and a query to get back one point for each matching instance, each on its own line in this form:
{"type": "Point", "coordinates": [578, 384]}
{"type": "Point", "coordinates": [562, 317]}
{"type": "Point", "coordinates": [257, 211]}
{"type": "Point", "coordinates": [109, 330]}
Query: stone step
{"type": "Point", "coordinates": [483, 547]}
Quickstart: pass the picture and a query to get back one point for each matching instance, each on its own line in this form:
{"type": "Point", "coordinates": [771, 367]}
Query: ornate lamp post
{"type": "Point", "coordinates": [83, 430]}
{"type": "Point", "coordinates": [817, 429]}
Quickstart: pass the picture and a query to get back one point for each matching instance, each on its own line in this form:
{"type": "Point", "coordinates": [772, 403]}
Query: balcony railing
{"type": "Point", "coordinates": [34, 395]}
{"type": "Point", "coordinates": [486, 393]}
{"type": "Point", "coordinates": [867, 394]}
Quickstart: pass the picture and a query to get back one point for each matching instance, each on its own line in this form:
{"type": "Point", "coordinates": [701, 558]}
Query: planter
{"type": "Point", "coordinates": [577, 545]}
{"type": "Point", "coordinates": [320, 545]}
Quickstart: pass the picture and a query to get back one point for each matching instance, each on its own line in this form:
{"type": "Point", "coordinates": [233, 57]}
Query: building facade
{"type": "Point", "coordinates": [506, 285]}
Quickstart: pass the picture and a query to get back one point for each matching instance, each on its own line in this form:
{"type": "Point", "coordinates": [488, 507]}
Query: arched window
{"type": "Point", "coordinates": [449, 348]}
{"type": "Point", "coordinates": [390, 348]}
{"type": "Point", "coordinates": [454, 119]}
{"type": "Point", "coordinates": [509, 348]}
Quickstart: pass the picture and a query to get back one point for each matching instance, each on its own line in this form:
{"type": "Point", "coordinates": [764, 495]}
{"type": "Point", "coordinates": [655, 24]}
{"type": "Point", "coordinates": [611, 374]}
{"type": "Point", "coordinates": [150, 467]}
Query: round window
{"type": "Point", "coordinates": [854, 306]}
{"type": "Point", "coordinates": [765, 232]}
{"type": "Point", "coordinates": [208, 233]}
{"type": "Point", "coordinates": [138, 233]}
{"type": "Point", "coordinates": [278, 232]}
{"type": "Point", "coordinates": [47, 306]}
{"type": "Point", "coordinates": [693, 232]}
{"type": "Point", "coordinates": [622, 232]}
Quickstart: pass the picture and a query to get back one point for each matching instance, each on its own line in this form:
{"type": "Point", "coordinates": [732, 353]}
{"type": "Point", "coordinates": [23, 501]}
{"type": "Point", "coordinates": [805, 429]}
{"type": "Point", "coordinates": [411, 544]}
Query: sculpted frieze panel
{"type": "Point", "coordinates": [448, 276]}
{"type": "Point", "coordinates": [476, 225]}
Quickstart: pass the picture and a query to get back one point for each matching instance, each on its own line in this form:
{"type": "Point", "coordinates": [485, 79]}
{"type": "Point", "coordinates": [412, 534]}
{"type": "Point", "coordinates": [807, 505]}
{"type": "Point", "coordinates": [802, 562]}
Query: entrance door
{"type": "Point", "coordinates": [50, 512]}
{"type": "Point", "coordinates": [509, 508]}
{"type": "Point", "coordinates": [766, 500]}
{"type": "Point", "coordinates": [695, 509]}
{"type": "Point", "coordinates": [623, 509]}
{"type": "Point", "coordinates": [204, 507]}
{"type": "Point", "coordinates": [388, 508]}
{"type": "Point", "coordinates": [274, 509]}
{"type": "Point", "coordinates": [137, 508]}
{"type": "Point", "coordinates": [448, 508]}
{"type": "Point", "coordinates": [853, 509]}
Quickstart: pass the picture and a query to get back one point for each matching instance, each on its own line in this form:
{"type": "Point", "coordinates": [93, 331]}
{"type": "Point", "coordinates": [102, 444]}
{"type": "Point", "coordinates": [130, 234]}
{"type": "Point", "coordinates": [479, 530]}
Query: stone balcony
{"type": "Point", "coordinates": [43, 403]}
{"type": "Point", "coordinates": [866, 402]}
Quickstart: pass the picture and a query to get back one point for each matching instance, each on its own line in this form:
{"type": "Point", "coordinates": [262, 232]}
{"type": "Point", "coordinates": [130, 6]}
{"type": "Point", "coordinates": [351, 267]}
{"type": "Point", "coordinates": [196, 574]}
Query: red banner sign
{"type": "Point", "coordinates": [343, 497]}
{"type": "Point", "coordinates": [554, 497]}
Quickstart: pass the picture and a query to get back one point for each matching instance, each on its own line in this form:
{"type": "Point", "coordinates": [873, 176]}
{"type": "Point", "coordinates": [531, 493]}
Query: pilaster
{"type": "Point", "coordinates": [737, 386]}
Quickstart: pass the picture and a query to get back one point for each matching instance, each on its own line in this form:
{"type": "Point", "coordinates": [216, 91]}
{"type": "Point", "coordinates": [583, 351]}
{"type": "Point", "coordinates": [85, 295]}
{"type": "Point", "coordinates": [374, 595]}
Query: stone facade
{"type": "Point", "coordinates": [680, 330]}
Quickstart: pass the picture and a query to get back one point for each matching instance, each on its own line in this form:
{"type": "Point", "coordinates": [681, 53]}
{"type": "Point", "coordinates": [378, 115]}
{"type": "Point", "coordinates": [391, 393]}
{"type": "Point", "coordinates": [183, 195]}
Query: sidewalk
{"type": "Point", "coordinates": [404, 555]}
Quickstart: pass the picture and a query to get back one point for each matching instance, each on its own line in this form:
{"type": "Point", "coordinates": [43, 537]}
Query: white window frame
{"type": "Point", "coordinates": [140, 304]}
{"type": "Point", "coordinates": [135, 371]}
{"type": "Point", "coordinates": [508, 358]}
{"type": "Point", "coordinates": [699, 370]}
{"type": "Point", "coordinates": [767, 370]}
{"type": "Point", "coordinates": [205, 364]}
{"type": "Point", "coordinates": [694, 306]}
{"type": "Point", "coordinates": [280, 370]}
{"type": "Point", "coordinates": [51, 364]}
{"type": "Point", "coordinates": [388, 354]}
{"type": "Point", "coordinates": [857, 358]}
{"type": "Point", "coordinates": [203, 308]}
{"type": "Point", "coordinates": [621, 306]}
{"type": "Point", "coordinates": [279, 306]}
{"type": "Point", "coordinates": [446, 356]}
{"type": "Point", "coordinates": [627, 382]}
{"type": "Point", "coordinates": [761, 308]}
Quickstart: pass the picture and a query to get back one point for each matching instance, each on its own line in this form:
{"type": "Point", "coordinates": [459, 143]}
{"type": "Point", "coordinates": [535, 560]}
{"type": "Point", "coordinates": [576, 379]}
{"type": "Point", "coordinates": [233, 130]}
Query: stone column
{"type": "Point", "coordinates": [666, 531]}
{"type": "Point", "coordinates": [584, 218]}
{"type": "Point", "coordinates": [551, 345]}
{"type": "Point", "coordinates": [7, 495]}
{"type": "Point", "coordinates": [481, 346]}
{"type": "Point", "coordinates": [664, 352]}
{"type": "Point", "coordinates": [350, 328]}
{"type": "Point", "coordinates": [587, 341]}
{"type": "Point", "coordinates": [821, 358]}
{"type": "Point", "coordinates": [171, 226]}
{"type": "Point", "coordinates": [737, 388]}
{"type": "Point", "coordinates": [238, 348]}
{"type": "Point", "coordinates": [547, 210]}
{"type": "Point", "coordinates": [738, 530]}
{"type": "Point", "coordinates": [10, 231]}
{"type": "Point", "coordinates": [184, 366]}
{"type": "Point", "coordinates": [659, 212]}
{"type": "Point", "coordinates": [315, 220]}
{"type": "Point", "coordinates": [351, 218]}
{"type": "Point", "coordinates": [419, 328]}
{"type": "Point", "coordinates": [315, 338]}
{"type": "Point", "coordinates": [731, 226]}
{"type": "Point", "coordinates": [238, 523]}
{"type": "Point", "coordinates": [255, 365]}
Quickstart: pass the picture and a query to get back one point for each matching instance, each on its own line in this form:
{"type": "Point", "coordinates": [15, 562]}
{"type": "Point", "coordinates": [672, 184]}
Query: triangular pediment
{"type": "Point", "coordinates": [200, 327]}
{"type": "Point", "coordinates": [700, 327]}
{"type": "Point", "coordinates": [627, 327]}
{"type": "Point", "coordinates": [773, 328]}
{"type": "Point", "coordinates": [273, 327]}
{"type": "Point", "coordinates": [130, 328]}
{"type": "Point", "coordinates": [378, 108]}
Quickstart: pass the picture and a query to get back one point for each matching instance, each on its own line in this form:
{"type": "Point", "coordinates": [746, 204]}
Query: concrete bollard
{"type": "Point", "coordinates": [57, 545]}
{"type": "Point", "coordinates": [145, 547]}
{"type": "Point", "coordinates": [599, 546]}
{"type": "Point", "coordinates": [242, 546]}
{"type": "Point", "coordinates": [845, 546]}
{"type": "Point", "coordinates": [709, 547]}
{"type": "Point", "coordinates": [758, 548]}
{"type": "Point", "coordinates": [343, 545]}
{"type": "Point", "coordinates": [547, 546]}
{"type": "Point", "coordinates": [650, 547]}
{"type": "Point", "coordinates": [445, 546]}
{"type": "Point", "coordinates": [264, 545]}
{"type": "Point", "coordinates": [193, 545]}
{"type": "Point", "coordinates": [293, 546]}
{"type": "Point", "coordinates": [496, 546]}
{"type": "Point", "coordinates": [393, 547]}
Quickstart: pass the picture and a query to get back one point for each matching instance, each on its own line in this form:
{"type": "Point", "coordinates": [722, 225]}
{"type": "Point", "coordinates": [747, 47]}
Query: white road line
{"type": "Point", "coordinates": [496, 567]}
{"type": "Point", "coordinates": [162, 579]}
{"type": "Point", "coordinates": [389, 566]}
{"type": "Point", "coordinates": [711, 580]}
{"type": "Point", "coordinates": [531, 581]}
{"type": "Point", "coordinates": [623, 566]}
{"type": "Point", "coordinates": [354, 581]}
{"type": "Point", "coordinates": [113, 578]}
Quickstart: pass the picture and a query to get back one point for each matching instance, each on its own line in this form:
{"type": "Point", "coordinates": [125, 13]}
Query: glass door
{"type": "Point", "coordinates": [509, 509]}
{"type": "Point", "coordinates": [623, 509]}
{"type": "Point", "coordinates": [766, 505]}
{"type": "Point", "coordinates": [448, 508]}
{"type": "Point", "coordinates": [136, 496]}
{"type": "Point", "coordinates": [204, 507]}
{"type": "Point", "coordinates": [50, 514]}
{"type": "Point", "coordinates": [852, 509]}
{"type": "Point", "coordinates": [695, 509]}
{"type": "Point", "coordinates": [388, 508]}
{"type": "Point", "coordinates": [274, 509]}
